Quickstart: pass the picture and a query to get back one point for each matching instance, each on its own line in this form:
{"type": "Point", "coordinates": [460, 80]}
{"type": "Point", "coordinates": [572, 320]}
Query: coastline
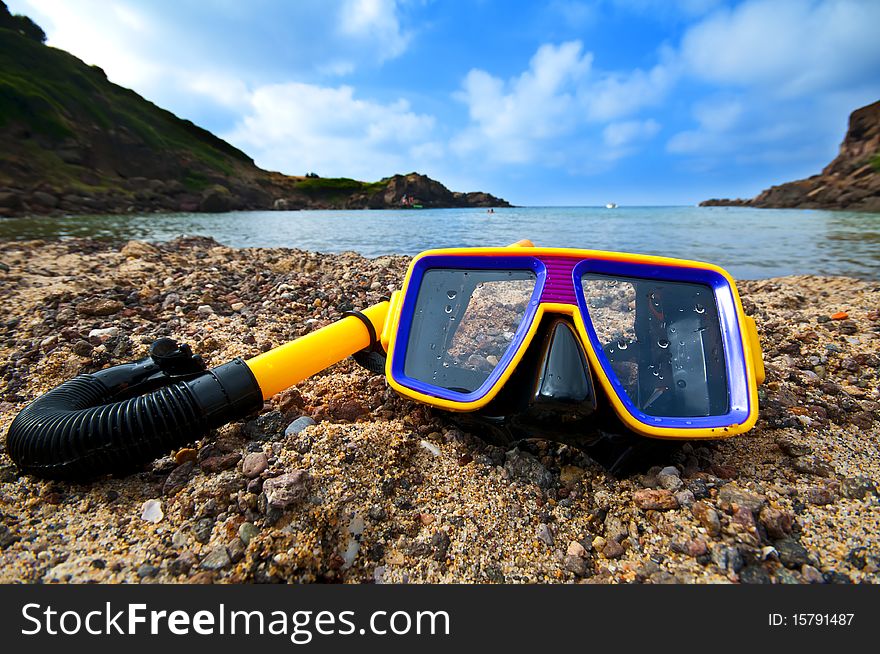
{"type": "Point", "coordinates": [399, 493]}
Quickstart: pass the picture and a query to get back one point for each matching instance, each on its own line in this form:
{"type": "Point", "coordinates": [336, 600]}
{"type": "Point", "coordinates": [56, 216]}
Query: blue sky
{"type": "Point", "coordinates": [543, 103]}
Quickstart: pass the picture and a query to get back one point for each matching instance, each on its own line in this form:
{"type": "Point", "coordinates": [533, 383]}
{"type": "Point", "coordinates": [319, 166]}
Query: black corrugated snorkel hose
{"type": "Point", "coordinates": [115, 419]}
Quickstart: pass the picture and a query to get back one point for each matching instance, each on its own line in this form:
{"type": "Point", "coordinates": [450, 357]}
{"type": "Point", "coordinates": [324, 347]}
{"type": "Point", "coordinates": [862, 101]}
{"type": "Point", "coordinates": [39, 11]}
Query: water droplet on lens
{"type": "Point", "coordinates": [445, 364]}
{"type": "Point", "coordinates": [622, 344]}
{"type": "Point", "coordinates": [663, 343]}
{"type": "Point", "coordinates": [681, 383]}
{"type": "Point", "coordinates": [448, 308]}
{"type": "Point", "coordinates": [450, 295]}
{"type": "Point", "coordinates": [699, 308]}
{"type": "Point", "coordinates": [672, 330]}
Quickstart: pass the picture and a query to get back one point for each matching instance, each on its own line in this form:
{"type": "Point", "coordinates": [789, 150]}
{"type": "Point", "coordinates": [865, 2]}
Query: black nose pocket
{"type": "Point", "coordinates": [565, 375]}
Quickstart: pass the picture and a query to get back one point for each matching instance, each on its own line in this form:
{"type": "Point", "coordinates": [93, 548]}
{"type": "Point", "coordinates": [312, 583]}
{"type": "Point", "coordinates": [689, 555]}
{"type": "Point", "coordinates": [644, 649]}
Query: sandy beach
{"type": "Point", "coordinates": [384, 490]}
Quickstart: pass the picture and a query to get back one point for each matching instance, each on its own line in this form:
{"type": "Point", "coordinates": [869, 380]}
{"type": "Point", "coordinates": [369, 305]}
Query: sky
{"type": "Point", "coordinates": [561, 102]}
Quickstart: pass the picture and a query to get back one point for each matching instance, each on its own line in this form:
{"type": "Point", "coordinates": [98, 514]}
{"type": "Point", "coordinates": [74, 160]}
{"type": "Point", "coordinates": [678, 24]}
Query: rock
{"type": "Point", "coordinates": [613, 550]}
{"type": "Point", "coordinates": [697, 547]}
{"type": "Point", "coordinates": [287, 489]}
{"type": "Point", "coordinates": [792, 447]}
{"type": "Point", "coordinates": [576, 549]}
{"type": "Point", "coordinates": [811, 575]}
{"type": "Point", "coordinates": [857, 488]}
{"type": "Point", "coordinates": [247, 531]}
{"type": "Point", "coordinates": [298, 425]}
{"type": "Point", "coordinates": [220, 462]}
{"type": "Point", "coordinates": [544, 534]}
{"type": "Point", "coordinates": [525, 467]}
{"type": "Point", "coordinates": [254, 464]}
{"type": "Point", "coordinates": [183, 563]}
{"type": "Point", "coordinates": [185, 454]}
{"type": "Point", "coordinates": [217, 559]}
{"type": "Point", "coordinates": [236, 550]}
{"type": "Point", "coordinates": [83, 348]}
{"type": "Point", "coordinates": [146, 571]}
{"type": "Point", "coordinates": [203, 529]}
{"type": "Point", "coordinates": [205, 309]}
{"type": "Point", "coordinates": [178, 478]}
{"type": "Point", "coordinates": [755, 574]}
{"type": "Point", "coordinates": [216, 199]}
{"type": "Point", "coordinates": [669, 482]}
{"type": "Point", "coordinates": [99, 307]}
{"type": "Point", "coordinates": [728, 558]}
{"type": "Point", "coordinates": [657, 500]}
{"type": "Point", "coordinates": [732, 493]}
{"type": "Point", "coordinates": [349, 410]}
{"type": "Point", "coordinates": [575, 564]}
{"type": "Point", "coordinates": [266, 427]}
{"type": "Point", "coordinates": [821, 495]}
{"type": "Point", "coordinates": [707, 517]}
{"type": "Point", "coordinates": [45, 199]}
{"type": "Point", "coordinates": [812, 465]}
{"type": "Point", "coordinates": [570, 475]}
{"type": "Point", "coordinates": [684, 498]}
{"type": "Point", "coordinates": [778, 524]}
{"type": "Point", "coordinates": [151, 511]}
{"type": "Point", "coordinates": [791, 553]}
{"type": "Point", "coordinates": [440, 542]}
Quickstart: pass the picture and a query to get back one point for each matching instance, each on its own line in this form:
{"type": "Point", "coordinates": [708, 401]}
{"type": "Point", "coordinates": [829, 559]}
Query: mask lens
{"type": "Point", "coordinates": [663, 343]}
{"type": "Point", "coordinates": [464, 323]}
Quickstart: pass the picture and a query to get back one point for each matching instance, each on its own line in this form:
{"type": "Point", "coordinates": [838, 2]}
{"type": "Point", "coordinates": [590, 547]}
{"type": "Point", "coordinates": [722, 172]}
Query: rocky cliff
{"type": "Point", "coordinates": [73, 142]}
{"type": "Point", "coordinates": [851, 181]}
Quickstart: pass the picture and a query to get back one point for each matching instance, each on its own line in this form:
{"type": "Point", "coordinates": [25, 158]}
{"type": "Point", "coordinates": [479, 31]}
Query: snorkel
{"type": "Point", "coordinates": [525, 342]}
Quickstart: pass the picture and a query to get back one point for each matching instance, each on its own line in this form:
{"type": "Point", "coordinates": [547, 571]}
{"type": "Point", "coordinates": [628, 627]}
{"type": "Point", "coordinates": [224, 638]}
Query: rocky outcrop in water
{"type": "Point", "coordinates": [851, 181]}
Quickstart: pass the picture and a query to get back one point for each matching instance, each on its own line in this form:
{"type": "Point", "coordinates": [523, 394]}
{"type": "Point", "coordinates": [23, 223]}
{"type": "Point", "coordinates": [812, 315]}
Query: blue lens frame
{"type": "Point", "coordinates": [407, 311]}
{"type": "Point", "coordinates": [731, 338]}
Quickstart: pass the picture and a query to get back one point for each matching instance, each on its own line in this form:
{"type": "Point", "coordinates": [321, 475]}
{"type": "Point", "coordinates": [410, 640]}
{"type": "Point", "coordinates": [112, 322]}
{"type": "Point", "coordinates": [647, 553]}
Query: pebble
{"type": "Point", "coordinates": [178, 478]}
{"type": "Point", "coordinates": [732, 493]}
{"type": "Point", "coordinates": [707, 517]}
{"type": "Point", "coordinates": [430, 447]}
{"type": "Point", "coordinates": [236, 550]}
{"type": "Point", "coordinates": [777, 523]}
{"type": "Point", "coordinates": [103, 335]}
{"type": "Point", "coordinates": [99, 307]}
{"type": "Point", "coordinates": [217, 559]}
{"type": "Point", "coordinates": [247, 531]}
{"type": "Point", "coordinates": [203, 529]}
{"type": "Point", "coordinates": [237, 306]}
{"type": "Point", "coordinates": [185, 454]}
{"type": "Point", "coordinates": [146, 571]}
{"type": "Point", "coordinates": [685, 497]}
{"type": "Point", "coordinates": [220, 462]}
{"type": "Point", "coordinates": [657, 500]}
{"type": "Point", "coordinates": [286, 489]}
{"type": "Point", "coordinates": [791, 553]}
{"type": "Point", "coordinates": [571, 475]}
{"type": "Point", "coordinates": [525, 467]}
{"type": "Point", "coordinates": [576, 549]}
{"type": "Point", "coordinates": [544, 534]}
{"type": "Point", "coordinates": [575, 564]}
{"type": "Point", "coordinates": [205, 309]}
{"type": "Point", "coordinates": [857, 488]}
{"type": "Point", "coordinates": [151, 511]}
{"type": "Point", "coordinates": [812, 465]}
{"type": "Point", "coordinates": [298, 425]}
{"type": "Point", "coordinates": [811, 575]}
{"type": "Point", "coordinates": [613, 550]}
{"type": "Point", "coordinates": [254, 464]}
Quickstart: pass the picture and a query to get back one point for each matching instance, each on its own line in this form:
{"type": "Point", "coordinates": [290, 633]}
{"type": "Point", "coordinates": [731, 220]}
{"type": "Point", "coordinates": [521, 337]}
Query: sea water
{"type": "Point", "coordinates": [750, 243]}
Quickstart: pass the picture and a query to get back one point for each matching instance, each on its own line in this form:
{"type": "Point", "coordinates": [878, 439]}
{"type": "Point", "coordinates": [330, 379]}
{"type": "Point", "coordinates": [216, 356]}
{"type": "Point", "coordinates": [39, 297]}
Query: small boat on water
{"type": "Point", "coordinates": [611, 205]}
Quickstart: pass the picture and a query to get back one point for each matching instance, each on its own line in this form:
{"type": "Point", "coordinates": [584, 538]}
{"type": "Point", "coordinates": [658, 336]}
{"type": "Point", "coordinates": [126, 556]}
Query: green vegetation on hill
{"type": "Point", "coordinates": [336, 187]}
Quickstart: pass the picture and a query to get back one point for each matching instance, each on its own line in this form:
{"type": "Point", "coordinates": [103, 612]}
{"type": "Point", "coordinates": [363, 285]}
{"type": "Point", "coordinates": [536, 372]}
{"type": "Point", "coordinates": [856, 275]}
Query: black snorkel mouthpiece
{"type": "Point", "coordinates": [115, 419]}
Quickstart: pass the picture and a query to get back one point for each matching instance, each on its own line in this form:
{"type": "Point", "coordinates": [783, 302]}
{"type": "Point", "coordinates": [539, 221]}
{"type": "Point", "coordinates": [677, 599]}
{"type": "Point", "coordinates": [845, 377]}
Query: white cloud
{"type": "Point", "coordinates": [786, 47]}
{"type": "Point", "coordinates": [623, 134]}
{"type": "Point", "coordinates": [375, 21]}
{"type": "Point", "coordinates": [297, 127]}
{"type": "Point", "coordinates": [554, 111]}
{"type": "Point", "coordinates": [509, 120]}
